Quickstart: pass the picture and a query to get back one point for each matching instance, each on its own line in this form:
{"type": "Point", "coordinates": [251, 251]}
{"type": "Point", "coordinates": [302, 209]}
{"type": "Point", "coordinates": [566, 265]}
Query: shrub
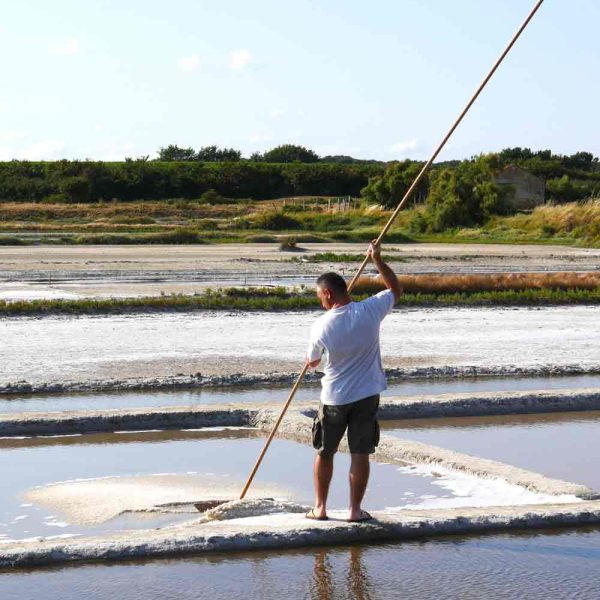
{"type": "Point", "coordinates": [287, 243]}
{"type": "Point", "coordinates": [75, 189]}
{"type": "Point", "coordinates": [275, 221]}
{"type": "Point", "coordinates": [212, 197]}
{"type": "Point", "coordinates": [464, 196]}
{"type": "Point", "coordinates": [418, 223]}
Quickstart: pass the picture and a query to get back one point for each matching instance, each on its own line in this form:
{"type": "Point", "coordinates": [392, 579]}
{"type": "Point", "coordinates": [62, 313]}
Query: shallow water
{"type": "Point", "coordinates": [561, 445]}
{"type": "Point", "coordinates": [27, 463]}
{"type": "Point", "coordinates": [548, 565]}
{"type": "Point", "coordinates": [277, 394]}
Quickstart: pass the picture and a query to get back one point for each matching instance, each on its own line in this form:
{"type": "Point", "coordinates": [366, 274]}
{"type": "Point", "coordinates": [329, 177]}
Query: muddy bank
{"type": "Point", "coordinates": [121, 271]}
{"type": "Point", "coordinates": [292, 531]}
{"type": "Point", "coordinates": [249, 414]}
{"type": "Point", "coordinates": [244, 380]}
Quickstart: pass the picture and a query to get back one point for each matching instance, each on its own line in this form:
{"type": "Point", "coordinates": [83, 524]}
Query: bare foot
{"type": "Point", "coordinates": [358, 516]}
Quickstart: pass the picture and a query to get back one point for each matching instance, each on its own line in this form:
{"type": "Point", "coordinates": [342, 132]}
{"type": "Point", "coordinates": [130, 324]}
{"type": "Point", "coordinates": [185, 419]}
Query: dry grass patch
{"type": "Point", "coordinates": [580, 219]}
{"type": "Point", "coordinates": [496, 282]}
{"type": "Point", "coordinates": [129, 212]}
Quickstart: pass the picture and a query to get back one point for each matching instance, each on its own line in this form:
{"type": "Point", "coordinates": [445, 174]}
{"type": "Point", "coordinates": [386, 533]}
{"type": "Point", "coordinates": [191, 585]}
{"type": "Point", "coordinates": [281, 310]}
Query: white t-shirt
{"type": "Point", "coordinates": [347, 341]}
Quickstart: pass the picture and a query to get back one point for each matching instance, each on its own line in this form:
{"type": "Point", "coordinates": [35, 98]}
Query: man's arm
{"type": "Point", "coordinates": [315, 349]}
{"type": "Point", "coordinates": [389, 277]}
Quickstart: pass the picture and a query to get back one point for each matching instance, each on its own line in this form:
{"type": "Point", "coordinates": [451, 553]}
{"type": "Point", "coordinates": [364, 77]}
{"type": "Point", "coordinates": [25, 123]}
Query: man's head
{"type": "Point", "coordinates": [332, 290]}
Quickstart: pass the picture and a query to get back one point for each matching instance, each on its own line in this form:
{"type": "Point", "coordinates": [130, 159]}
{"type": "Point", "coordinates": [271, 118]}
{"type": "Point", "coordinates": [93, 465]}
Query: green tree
{"type": "Point", "coordinates": [76, 189]}
{"type": "Point", "coordinates": [584, 161]}
{"type": "Point", "coordinates": [389, 188]}
{"type": "Point", "coordinates": [465, 196]}
{"type": "Point", "coordinates": [288, 153]}
{"type": "Point", "coordinates": [216, 154]}
{"type": "Point", "coordinates": [565, 189]}
{"type": "Point", "coordinates": [175, 153]}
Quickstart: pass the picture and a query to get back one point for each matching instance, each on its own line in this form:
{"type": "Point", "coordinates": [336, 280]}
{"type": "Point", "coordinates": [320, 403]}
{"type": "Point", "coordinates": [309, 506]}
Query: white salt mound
{"type": "Point", "coordinates": [251, 507]}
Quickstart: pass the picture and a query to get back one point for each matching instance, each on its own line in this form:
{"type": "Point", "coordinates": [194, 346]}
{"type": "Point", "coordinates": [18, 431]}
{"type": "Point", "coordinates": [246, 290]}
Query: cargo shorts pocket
{"type": "Point", "coordinates": [317, 434]}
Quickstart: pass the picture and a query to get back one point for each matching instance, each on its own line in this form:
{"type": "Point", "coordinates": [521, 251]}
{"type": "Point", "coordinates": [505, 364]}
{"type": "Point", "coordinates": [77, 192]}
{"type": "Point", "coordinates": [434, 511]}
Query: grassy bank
{"type": "Point", "coordinates": [306, 220]}
{"type": "Point", "coordinates": [279, 299]}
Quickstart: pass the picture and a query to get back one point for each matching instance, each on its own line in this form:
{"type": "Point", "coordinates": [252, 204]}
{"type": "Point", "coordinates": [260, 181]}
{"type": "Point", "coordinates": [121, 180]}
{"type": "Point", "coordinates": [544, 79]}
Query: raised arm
{"type": "Point", "coordinates": [389, 277]}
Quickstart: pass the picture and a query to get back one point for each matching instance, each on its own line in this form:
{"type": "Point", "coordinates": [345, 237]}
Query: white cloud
{"type": "Point", "coordinates": [403, 147]}
{"type": "Point", "coordinates": [275, 113]}
{"type": "Point", "coordinates": [13, 146]}
{"type": "Point", "coordinates": [43, 150]}
{"type": "Point", "coordinates": [115, 152]}
{"type": "Point", "coordinates": [239, 59]}
{"type": "Point", "coordinates": [338, 149]}
{"type": "Point", "coordinates": [11, 135]}
{"type": "Point", "coordinates": [188, 64]}
{"type": "Point", "coordinates": [64, 48]}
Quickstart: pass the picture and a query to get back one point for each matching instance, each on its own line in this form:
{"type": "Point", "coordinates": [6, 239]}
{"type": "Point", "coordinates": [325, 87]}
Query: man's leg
{"type": "Point", "coordinates": [363, 437]}
{"type": "Point", "coordinates": [322, 473]}
{"type": "Point", "coordinates": [359, 478]}
{"type": "Point", "coordinates": [328, 429]}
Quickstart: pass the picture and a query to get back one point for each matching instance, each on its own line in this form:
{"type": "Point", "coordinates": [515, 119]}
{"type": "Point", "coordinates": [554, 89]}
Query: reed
{"type": "Point", "coordinates": [492, 282]}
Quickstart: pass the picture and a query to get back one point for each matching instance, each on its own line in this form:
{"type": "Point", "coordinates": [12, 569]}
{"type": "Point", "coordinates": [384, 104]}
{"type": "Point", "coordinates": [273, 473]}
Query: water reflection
{"type": "Point", "coordinates": [275, 394]}
{"type": "Point", "coordinates": [535, 565]}
{"type": "Point", "coordinates": [356, 581]}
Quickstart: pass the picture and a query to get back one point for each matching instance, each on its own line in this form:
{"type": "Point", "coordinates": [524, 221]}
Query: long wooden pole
{"type": "Point", "coordinates": [391, 220]}
{"type": "Point", "coordinates": [446, 138]}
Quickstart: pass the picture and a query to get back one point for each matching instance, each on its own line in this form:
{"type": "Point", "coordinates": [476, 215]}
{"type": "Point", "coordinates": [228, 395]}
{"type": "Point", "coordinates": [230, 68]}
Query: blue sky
{"type": "Point", "coordinates": [105, 79]}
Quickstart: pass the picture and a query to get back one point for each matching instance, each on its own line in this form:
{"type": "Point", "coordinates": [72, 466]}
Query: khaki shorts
{"type": "Point", "coordinates": [360, 418]}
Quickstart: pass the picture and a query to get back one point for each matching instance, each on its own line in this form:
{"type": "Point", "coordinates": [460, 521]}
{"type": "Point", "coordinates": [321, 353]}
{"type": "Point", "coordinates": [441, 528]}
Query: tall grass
{"type": "Point", "coordinates": [277, 299]}
{"type": "Point", "coordinates": [131, 211]}
{"type": "Point", "coordinates": [494, 282]}
{"type": "Point", "coordinates": [580, 220]}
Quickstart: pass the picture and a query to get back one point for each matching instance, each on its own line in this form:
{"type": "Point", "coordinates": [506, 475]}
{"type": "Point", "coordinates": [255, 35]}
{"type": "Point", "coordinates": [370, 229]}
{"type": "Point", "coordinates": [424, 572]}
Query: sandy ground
{"type": "Point", "coordinates": [58, 349]}
{"type": "Point", "coordinates": [102, 271]}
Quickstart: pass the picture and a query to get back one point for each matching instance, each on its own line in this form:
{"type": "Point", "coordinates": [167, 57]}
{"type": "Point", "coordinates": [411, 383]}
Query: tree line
{"type": "Point", "coordinates": [285, 153]}
{"type": "Point", "coordinates": [453, 193]}
{"type": "Point", "coordinates": [91, 181]}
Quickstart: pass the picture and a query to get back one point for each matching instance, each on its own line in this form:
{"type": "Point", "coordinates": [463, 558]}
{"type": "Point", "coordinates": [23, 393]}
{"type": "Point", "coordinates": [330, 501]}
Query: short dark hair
{"type": "Point", "coordinates": [334, 282]}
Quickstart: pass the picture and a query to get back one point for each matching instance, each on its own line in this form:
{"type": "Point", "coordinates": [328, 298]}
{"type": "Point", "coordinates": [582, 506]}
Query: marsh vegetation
{"type": "Point", "coordinates": [525, 289]}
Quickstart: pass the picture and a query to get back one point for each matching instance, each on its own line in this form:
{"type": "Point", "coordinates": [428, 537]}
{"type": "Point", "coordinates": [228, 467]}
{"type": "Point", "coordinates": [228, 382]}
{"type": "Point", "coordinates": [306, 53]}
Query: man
{"type": "Point", "coordinates": [346, 337]}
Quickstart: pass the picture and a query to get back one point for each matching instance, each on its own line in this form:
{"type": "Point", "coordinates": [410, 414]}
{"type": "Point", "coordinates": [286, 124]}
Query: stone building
{"type": "Point", "coordinates": [527, 189]}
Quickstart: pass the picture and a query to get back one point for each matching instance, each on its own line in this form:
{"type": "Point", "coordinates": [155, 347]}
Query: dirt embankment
{"type": "Point", "coordinates": [101, 271]}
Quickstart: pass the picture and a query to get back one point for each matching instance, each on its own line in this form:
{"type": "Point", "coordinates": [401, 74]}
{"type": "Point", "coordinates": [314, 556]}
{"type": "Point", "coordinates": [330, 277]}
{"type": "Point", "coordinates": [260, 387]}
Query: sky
{"type": "Point", "coordinates": [106, 79]}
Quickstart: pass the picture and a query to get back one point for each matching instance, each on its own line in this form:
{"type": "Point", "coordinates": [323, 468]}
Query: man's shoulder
{"type": "Point", "coordinates": [381, 303]}
{"type": "Point", "coordinates": [320, 322]}
{"type": "Point", "coordinates": [383, 296]}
